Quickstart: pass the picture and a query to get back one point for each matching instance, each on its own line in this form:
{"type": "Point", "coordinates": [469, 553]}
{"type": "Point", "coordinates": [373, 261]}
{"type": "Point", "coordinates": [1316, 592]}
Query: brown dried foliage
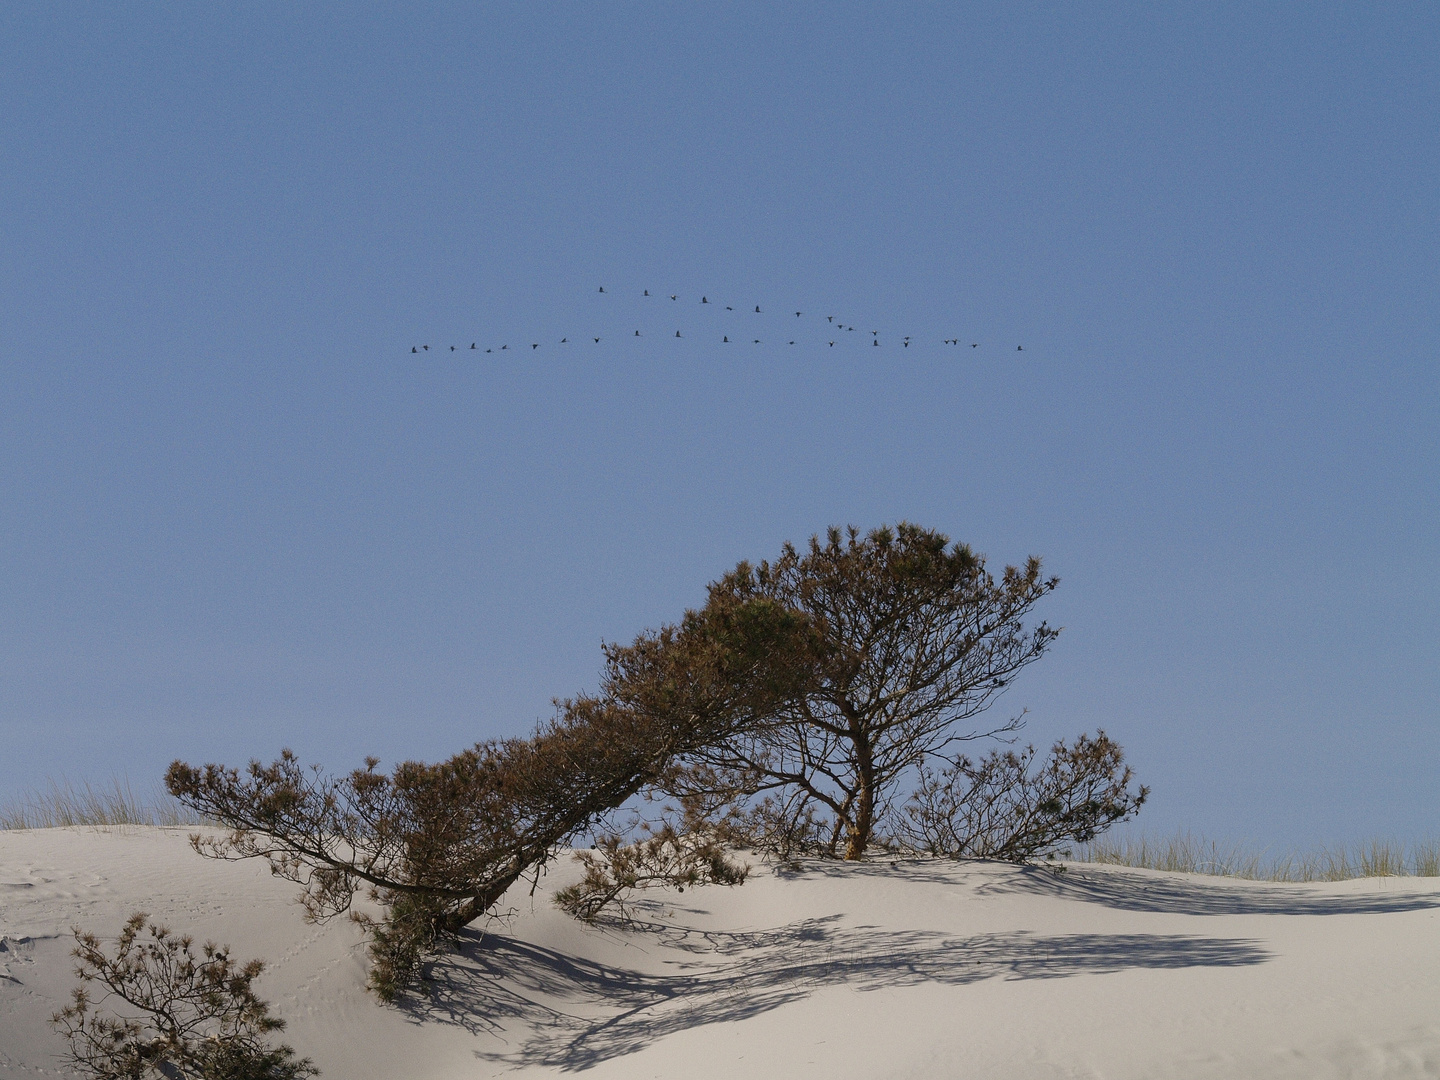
{"type": "Point", "coordinates": [911, 639]}
{"type": "Point", "coordinates": [438, 845]}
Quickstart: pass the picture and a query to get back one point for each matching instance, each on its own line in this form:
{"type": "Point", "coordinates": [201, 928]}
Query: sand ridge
{"type": "Point", "coordinates": [892, 968]}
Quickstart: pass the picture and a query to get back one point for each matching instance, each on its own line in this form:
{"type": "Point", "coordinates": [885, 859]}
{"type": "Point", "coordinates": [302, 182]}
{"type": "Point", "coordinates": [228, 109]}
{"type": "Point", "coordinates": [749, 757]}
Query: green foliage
{"type": "Point", "coordinates": [178, 1015]}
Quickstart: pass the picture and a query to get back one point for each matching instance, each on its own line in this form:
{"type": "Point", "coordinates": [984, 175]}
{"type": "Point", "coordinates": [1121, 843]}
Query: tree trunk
{"type": "Point", "coordinates": [863, 820]}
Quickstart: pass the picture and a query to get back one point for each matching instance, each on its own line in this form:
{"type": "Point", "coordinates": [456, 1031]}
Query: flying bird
{"type": "Point", "coordinates": [792, 343]}
{"type": "Point", "coordinates": [674, 297]}
{"type": "Point", "coordinates": [829, 318]}
{"type": "Point", "coordinates": [729, 308]}
{"type": "Point", "coordinates": [647, 292]}
{"type": "Point", "coordinates": [703, 300]}
{"type": "Point", "coordinates": [452, 348]}
{"type": "Point", "coordinates": [725, 341]}
{"type": "Point", "coordinates": [1019, 348]}
{"type": "Point", "coordinates": [597, 341]}
{"type": "Point", "coordinates": [875, 342]}
{"type": "Point", "coordinates": [757, 309]}
{"type": "Point", "coordinates": [489, 350]}
{"type": "Point", "coordinates": [798, 314]}
{"type": "Point", "coordinates": [974, 344]}
{"type": "Point", "coordinates": [472, 344]}
{"type": "Point", "coordinates": [832, 344]}
{"type": "Point", "coordinates": [414, 349]}
{"type": "Point", "coordinates": [504, 346]}
{"type": "Point", "coordinates": [602, 288]}
{"type": "Point", "coordinates": [757, 341]}
{"type": "Point", "coordinates": [425, 347]}
{"type": "Point", "coordinates": [563, 340]}
{"type": "Point", "coordinates": [637, 333]}
{"type": "Point", "coordinates": [535, 345]}
{"type": "Point", "coordinates": [677, 333]}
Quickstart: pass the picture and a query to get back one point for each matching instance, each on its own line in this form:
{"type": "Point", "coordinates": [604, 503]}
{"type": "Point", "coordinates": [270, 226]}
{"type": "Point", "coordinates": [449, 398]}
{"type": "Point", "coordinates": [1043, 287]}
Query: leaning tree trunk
{"type": "Point", "coordinates": [862, 822]}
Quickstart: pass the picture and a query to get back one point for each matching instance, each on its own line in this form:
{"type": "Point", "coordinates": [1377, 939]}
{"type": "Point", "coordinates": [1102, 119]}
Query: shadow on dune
{"type": "Point", "coordinates": [571, 1013]}
{"type": "Point", "coordinates": [1128, 891]}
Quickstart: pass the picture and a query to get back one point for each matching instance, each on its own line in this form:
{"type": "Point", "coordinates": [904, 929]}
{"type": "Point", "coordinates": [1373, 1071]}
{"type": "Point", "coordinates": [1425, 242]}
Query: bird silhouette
{"type": "Point", "coordinates": [535, 345]}
{"type": "Point", "coordinates": [729, 308]}
{"type": "Point", "coordinates": [602, 288]}
{"type": "Point", "coordinates": [974, 344]}
{"type": "Point", "coordinates": [674, 297]}
{"type": "Point", "coordinates": [725, 341]}
{"type": "Point", "coordinates": [414, 349]}
{"type": "Point", "coordinates": [703, 300]}
{"type": "Point", "coordinates": [875, 342]}
{"type": "Point", "coordinates": [1019, 348]}
{"type": "Point", "coordinates": [757, 309]}
{"type": "Point", "coordinates": [792, 343]}
{"type": "Point", "coordinates": [677, 333]}
{"type": "Point", "coordinates": [472, 344]}
{"type": "Point", "coordinates": [647, 292]}
{"type": "Point", "coordinates": [637, 333]}
{"type": "Point", "coordinates": [504, 346]}
{"type": "Point", "coordinates": [425, 347]}
{"type": "Point", "coordinates": [489, 350]}
{"type": "Point", "coordinates": [452, 348]}
{"type": "Point", "coordinates": [563, 340]}
{"type": "Point", "coordinates": [597, 341]}
{"type": "Point", "coordinates": [832, 344]}
{"type": "Point", "coordinates": [829, 318]}
{"type": "Point", "coordinates": [906, 343]}
{"type": "Point", "coordinates": [798, 314]}
{"type": "Point", "coordinates": [757, 341]}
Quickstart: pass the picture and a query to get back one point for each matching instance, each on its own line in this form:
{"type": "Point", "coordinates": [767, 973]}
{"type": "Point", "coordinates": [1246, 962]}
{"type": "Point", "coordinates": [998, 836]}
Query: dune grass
{"type": "Point", "coordinates": [64, 804]}
{"type": "Point", "coordinates": [1189, 854]}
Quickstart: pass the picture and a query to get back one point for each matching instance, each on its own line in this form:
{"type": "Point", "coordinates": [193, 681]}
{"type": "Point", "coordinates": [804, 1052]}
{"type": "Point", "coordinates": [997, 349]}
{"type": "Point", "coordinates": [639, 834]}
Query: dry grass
{"type": "Point", "coordinates": [64, 804]}
{"type": "Point", "coordinates": [1189, 854]}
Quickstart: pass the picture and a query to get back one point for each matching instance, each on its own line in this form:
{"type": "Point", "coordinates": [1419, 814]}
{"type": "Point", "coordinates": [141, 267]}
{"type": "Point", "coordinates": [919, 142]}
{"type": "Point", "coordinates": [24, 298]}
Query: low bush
{"type": "Point", "coordinates": [178, 1014]}
{"type": "Point", "coordinates": [1004, 807]}
{"type": "Point", "coordinates": [669, 855]}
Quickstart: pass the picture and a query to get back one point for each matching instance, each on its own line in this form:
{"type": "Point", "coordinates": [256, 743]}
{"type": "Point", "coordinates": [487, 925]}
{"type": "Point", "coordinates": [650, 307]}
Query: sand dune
{"type": "Point", "coordinates": [887, 969]}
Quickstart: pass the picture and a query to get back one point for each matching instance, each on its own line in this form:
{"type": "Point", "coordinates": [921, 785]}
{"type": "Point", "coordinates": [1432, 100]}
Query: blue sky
{"type": "Point", "coordinates": [236, 513]}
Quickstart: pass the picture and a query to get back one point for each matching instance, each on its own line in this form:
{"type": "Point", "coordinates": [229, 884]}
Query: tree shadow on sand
{"type": "Point", "coordinates": [1130, 891]}
{"type": "Point", "coordinates": [570, 1013]}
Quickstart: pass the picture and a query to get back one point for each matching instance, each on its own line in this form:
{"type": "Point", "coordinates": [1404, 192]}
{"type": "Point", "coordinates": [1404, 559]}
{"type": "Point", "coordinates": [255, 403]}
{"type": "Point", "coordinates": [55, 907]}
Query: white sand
{"type": "Point", "coordinates": [917, 969]}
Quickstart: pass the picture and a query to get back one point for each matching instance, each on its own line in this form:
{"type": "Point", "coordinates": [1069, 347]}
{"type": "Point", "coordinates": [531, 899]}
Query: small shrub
{"type": "Point", "coordinates": [1001, 808]}
{"type": "Point", "coordinates": [180, 1015]}
{"type": "Point", "coordinates": [668, 857]}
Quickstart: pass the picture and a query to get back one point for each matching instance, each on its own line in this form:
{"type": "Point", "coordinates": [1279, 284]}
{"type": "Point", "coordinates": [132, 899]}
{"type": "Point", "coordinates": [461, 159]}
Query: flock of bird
{"type": "Point", "coordinates": [725, 339]}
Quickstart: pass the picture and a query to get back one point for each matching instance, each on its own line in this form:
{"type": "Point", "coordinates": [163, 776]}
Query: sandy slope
{"type": "Point", "coordinates": [915, 969]}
